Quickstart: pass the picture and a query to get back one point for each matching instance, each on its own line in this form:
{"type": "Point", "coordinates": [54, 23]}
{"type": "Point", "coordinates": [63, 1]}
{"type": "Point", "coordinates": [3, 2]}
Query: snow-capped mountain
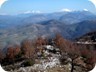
{"type": "Point", "coordinates": [69, 24]}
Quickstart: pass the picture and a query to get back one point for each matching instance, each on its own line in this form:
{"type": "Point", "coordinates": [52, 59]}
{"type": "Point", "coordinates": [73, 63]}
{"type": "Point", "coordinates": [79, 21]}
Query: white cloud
{"type": "Point", "coordinates": [66, 10]}
{"type": "Point", "coordinates": [85, 9]}
{"type": "Point", "coordinates": [94, 2]}
{"type": "Point", "coordinates": [1, 2]}
{"type": "Point", "coordinates": [33, 11]}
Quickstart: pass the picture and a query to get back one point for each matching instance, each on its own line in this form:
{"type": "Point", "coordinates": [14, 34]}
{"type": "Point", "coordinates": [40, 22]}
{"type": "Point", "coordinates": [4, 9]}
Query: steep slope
{"type": "Point", "coordinates": [46, 28]}
{"type": "Point", "coordinates": [77, 16]}
{"type": "Point", "coordinates": [85, 27]}
{"type": "Point", "coordinates": [91, 37]}
{"type": "Point", "coordinates": [45, 25]}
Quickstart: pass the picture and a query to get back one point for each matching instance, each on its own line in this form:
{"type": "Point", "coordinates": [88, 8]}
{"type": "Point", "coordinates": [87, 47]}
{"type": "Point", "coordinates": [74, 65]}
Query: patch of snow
{"type": "Point", "coordinates": [85, 9]}
{"type": "Point", "coordinates": [66, 10]}
{"type": "Point", "coordinates": [33, 11]}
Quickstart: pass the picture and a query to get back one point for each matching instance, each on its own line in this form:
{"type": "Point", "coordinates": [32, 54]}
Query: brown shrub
{"type": "Point", "coordinates": [27, 48]}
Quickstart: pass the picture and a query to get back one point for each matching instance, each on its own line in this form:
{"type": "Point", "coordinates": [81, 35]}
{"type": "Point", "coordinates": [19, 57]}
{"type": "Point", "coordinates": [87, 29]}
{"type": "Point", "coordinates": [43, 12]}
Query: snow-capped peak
{"type": "Point", "coordinates": [85, 9]}
{"type": "Point", "coordinates": [66, 10]}
{"type": "Point", "coordinates": [33, 11]}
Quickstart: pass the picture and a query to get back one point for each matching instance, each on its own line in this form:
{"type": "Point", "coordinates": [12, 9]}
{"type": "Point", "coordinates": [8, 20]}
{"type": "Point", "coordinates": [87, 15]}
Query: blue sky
{"type": "Point", "coordinates": [46, 6]}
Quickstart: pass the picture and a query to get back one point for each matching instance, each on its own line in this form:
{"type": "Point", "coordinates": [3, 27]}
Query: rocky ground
{"type": "Point", "coordinates": [50, 62]}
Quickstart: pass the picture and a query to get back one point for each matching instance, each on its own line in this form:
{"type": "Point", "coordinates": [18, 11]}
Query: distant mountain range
{"type": "Point", "coordinates": [65, 17]}
{"type": "Point", "coordinates": [70, 24]}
